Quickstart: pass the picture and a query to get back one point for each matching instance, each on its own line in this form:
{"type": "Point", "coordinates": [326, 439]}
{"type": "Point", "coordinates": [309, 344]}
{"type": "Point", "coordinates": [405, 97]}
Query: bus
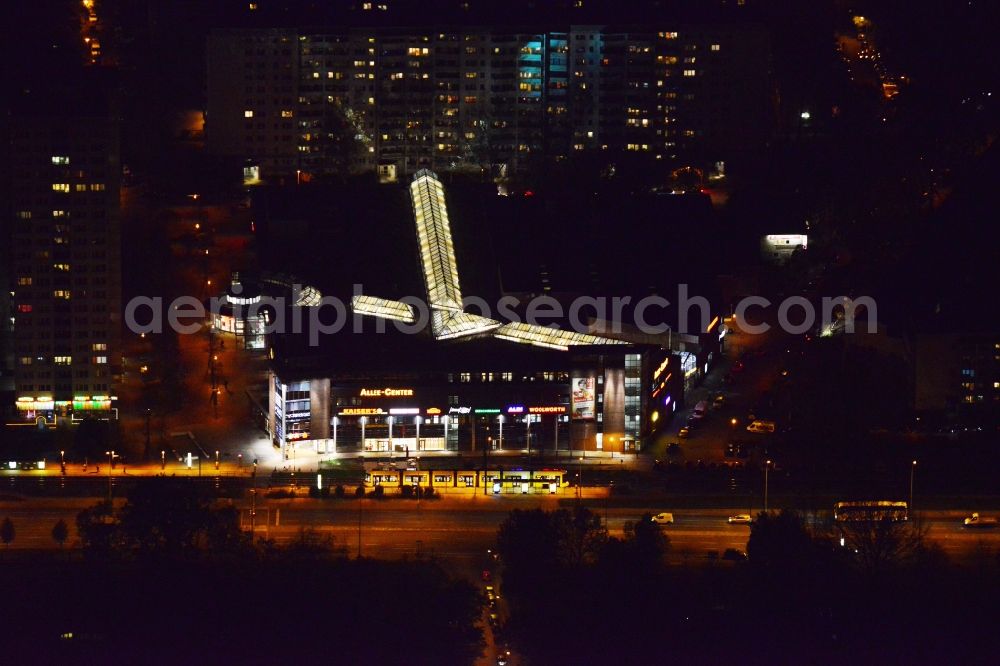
{"type": "Point", "coordinates": [875, 510]}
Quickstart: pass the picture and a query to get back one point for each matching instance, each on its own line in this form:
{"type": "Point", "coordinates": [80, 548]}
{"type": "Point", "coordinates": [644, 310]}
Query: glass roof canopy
{"type": "Point", "coordinates": [384, 308]}
{"type": "Point", "coordinates": [437, 252]}
{"type": "Point", "coordinates": [437, 256]}
{"type": "Point", "coordinates": [555, 338]}
{"type": "Point", "coordinates": [447, 325]}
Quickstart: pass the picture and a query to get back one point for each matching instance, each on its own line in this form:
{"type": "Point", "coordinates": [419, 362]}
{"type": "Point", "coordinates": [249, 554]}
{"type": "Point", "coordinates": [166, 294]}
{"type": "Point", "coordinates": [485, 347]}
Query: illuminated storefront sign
{"type": "Point", "coordinates": [584, 398]}
{"type": "Point", "coordinates": [659, 370]}
{"type": "Point", "coordinates": [35, 404]}
{"type": "Point", "coordinates": [459, 410]}
{"type": "Point", "coordinates": [386, 392]}
{"type": "Point", "coordinates": [91, 405]}
{"type": "Point", "coordinates": [547, 409]}
{"type": "Point", "coordinates": [488, 410]}
{"type": "Point", "coordinates": [433, 411]}
{"type": "Point", "coordinates": [515, 409]}
{"type": "Point", "coordinates": [362, 411]}
{"type": "Point", "coordinates": [402, 411]}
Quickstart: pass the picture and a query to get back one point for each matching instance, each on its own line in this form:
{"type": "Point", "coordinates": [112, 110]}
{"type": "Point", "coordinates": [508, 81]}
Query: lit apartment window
{"type": "Point", "coordinates": [465, 377]}
{"type": "Point", "coordinates": [248, 113]}
{"type": "Point", "coordinates": [60, 187]}
{"type": "Point", "coordinates": [24, 281]}
{"type": "Point", "coordinates": [63, 294]}
{"type": "Point", "coordinates": [715, 47]}
{"type": "Point", "coordinates": [58, 213]}
{"type": "Point", "coordinates": [668, 35]}
{"type": "Point", "coordinates": [286, 114]}
{"type": "Point", "coordinates": [61, 267]}
{"type": "Point", "coordinates": [371, 101]}
{"type": "Point", "coordinates": [24, 308]}
{"type": "Point", "coordinates": [100, 360]}
{"type": "Point", "coordinates": [24, 214]}
{"type": "Point", "coordinates": [80, 187]}
{"type": "Point", "coordinates": [689, 72]}
{"type": "Point", "coordinates": [63, 360]}
{"type": "Point", "coordinates": [97, 187]}
{"type": "Point", "coordinates": [99, 346]}
{"type": "Point", "coordinates": [60, 159]}
{"type": "Point", "coordinates": [26, 360]}
{"type": "Point", "coordinates": [359, 63]}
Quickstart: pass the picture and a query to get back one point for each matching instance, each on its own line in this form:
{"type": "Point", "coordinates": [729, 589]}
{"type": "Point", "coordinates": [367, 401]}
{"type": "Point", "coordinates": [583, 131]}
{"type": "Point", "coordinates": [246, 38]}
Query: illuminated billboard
{"type": "Point", "coordinates": [584, 399]}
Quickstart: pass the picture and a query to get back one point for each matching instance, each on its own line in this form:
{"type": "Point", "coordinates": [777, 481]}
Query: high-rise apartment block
{"type": "Point", "coordinates": [314, 102]}
{"type": "Point", "coordinates": [64, 256]}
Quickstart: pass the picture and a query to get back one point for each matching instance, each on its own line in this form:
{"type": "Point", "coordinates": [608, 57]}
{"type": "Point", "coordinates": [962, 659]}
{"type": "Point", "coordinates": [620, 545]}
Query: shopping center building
{"type": "Point", "coordinates": [405, 379]}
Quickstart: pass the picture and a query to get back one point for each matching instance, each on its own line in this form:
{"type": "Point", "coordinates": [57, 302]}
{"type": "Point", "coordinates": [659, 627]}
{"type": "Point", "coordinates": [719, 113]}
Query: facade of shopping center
{"type": "Point", "coordinates": [405, 380]}
{"type": "Point", "coordinates": [473, 394]}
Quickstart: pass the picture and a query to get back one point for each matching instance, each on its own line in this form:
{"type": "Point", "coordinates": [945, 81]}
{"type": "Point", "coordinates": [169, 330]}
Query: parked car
{"type": "Point", "coordinates": [719, 400]}
{"type": "Point", "coordinates": [699, 410]}
{"type": "Point", "coordinates": [740, 519]}
{"type": "Point", "coordinates": [663, 518]}
{"type": "Point", "coordinates": [684, 433]}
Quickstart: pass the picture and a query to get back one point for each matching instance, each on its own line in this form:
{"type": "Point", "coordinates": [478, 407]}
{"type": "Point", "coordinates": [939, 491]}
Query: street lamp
{"type": "Point", "coordinates": [163, 459]}
{"type": "Point", "coordinates": [767, 465]}
{"type": "Point", "coordinates": [111, 457]}
{"type": "Point", "coordinates": [216, 459]}
{"type": "Point", "coordinates": [500, 419]}
{"type": "Point", "coordinates": [390, 422]}
{"type": "Point", "coordinates": [913, 468]}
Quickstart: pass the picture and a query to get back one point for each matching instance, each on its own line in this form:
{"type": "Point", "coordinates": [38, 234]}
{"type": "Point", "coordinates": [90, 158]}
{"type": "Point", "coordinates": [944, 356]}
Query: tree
{"type": "Point", "coordinates": [60, 532]}
{"type": "Point", "coordinates": [879, 542]}
{"type": "Point", "coordinates": [646, 544]}
{"type": "Point", "coordinates": [7, 532]}
{"type": "Point", "coordinates": [779, 542]}
{"type": "Point", "coordinates": [98, 529]}
{"type": "Point", "coordinates": [581, 534]}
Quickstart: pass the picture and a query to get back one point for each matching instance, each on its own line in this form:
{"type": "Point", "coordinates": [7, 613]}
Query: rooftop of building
{"type": "Point", "coordinates": [380, 349]}
{"type": "Point", "coordinates": [512, 13]}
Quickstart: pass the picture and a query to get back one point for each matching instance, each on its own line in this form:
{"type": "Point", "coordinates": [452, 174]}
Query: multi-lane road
{"type": "Point", "coordinates": [459, 529]}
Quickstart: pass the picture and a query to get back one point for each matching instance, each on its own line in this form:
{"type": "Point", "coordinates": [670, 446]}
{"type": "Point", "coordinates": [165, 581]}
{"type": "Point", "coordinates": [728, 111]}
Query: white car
{"type": "Point", "coordinates": [740, 519]}
{"type": "Point", "coordinates": [663, 519]}
{"type": "Point", "coordinates": [766, 427]}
